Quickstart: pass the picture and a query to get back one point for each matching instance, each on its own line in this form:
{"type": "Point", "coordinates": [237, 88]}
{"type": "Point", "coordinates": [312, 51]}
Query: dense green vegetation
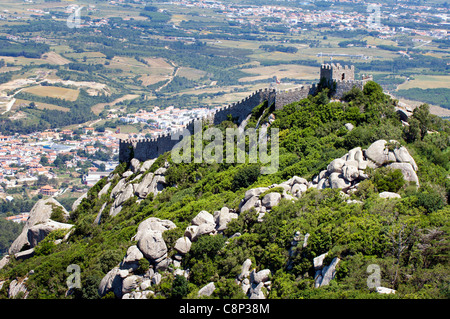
{"type": "Point", "coordinates": [8, 233]}
{"type": "Point", "coordinates": [407, 237]}
{"type": "Point", "coordinates": [439, 96]}
{"type": "Point", "coordinates": [26, 49]}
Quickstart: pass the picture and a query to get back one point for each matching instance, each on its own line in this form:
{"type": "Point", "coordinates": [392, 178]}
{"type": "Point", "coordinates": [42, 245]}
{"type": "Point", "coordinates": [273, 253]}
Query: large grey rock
{"type": "Point", "coordinates": [318, 261]}
{"type": "Point", "coordinates": [349, 126]}
{"type": "Point", "coordinates": [245, 285]}
{"type": "Point", "coordinates": [99, 215]}
{"type": "Point", "coordinates": [223, 218]}
{"type": "Point", "coordinates": [350, 172]}
{"type": "Point", "coordinates": [156, 278]}
{"type": "Point", "coordinates": [408, 172]}
{"type": "Point", "coordinates": [133, 255]}
{"type": "Point", "coordinates": [298, 189]}
{"type": "Point", "coordinates": [118, 188]}
{"type": "Point", "coordinates": [183, 245]}
{"type": "Point", "coordinates": [103, 191]}
{"type": "Point", "coordinates": [260, 276]}
{"type": "Point", "coordinates": [378, 153]}
{"type": "Point", "coordinates": [38, 232]}
{"type": "Point", "coordinates": [24, 254]}
{"type": "Point", "coordinates": [256, 291]}
{"type": "Point", "coordinates": [271, 200]}
{"type": "Point", "coordinates": [355, 154]}
{"type": "Point", "coordinates": [127, 193]}
{"type": "Point", "coordinates": [143, 188]}
{"type": "Point", "coordinates": [3, 262]}
{"type": "Point", "coordinates": [335, 166]}
{"type": "Point", "coordinates": [204, 229]}
{"type": "Point", "coordinates": [111, 282]}
{"type": "Point", "coordinates": [203, 218]}
{"type": "Point", "coordinates": [245, 270]}
{"type": "Point", "coordinates": [78, 201]}
{"type": "Point", "coordinates": [207, 290]}
{"type": "Point", "coordinates": [115, 210]}
{"type": "Point", "coordinates": [130, 283]}
{"type": "Point", "coordinates": [296, 180]}
{"type": "Point", "coordinates": [146, 165]}
{"type": "Point", "coordinates": [402, 155]}
{"type": "Point", "coordinates": [337, 180]}
{"type": "Point", "coordinates": [161, 171]}
{"type": "Point", "coordinates": [249, 204]}
{"type": "Point", "coordinates": [327, 274]}
{"type": "Point", "coordinates": [153, 224]}
{"type": "Point", "coordinates": [152, 245]}
{"type": "Point", "coordinates": [191, 232]}
{"type": "Point", "coordinates": [127, 174]}
{"type": "Point", "coordinates": [157, 185]}
{"type": "Point", "coordinates": [323, 183]}
{"type": "Point", "coordinates": [389, 195]}
{"type": "Point", "coordinates": [254, 192]}
{"type": "Point", "coordinates": [135, 165]}
{"type": "Point", "coordinates": [16, 287]}
{"type": "Point", "coordinates": [40, 213]}
{"type": "Point", "coordinates": [384, 290]}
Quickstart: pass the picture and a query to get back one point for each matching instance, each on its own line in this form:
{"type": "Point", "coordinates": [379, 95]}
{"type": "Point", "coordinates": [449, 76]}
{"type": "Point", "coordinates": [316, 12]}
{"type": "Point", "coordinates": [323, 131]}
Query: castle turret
{"type": "Point", "coordinates": [336, 72]}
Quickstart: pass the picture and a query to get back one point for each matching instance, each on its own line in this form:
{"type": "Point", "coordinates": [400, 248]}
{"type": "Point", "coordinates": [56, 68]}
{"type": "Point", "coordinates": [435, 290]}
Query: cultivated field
{"type": "Point", "coordinates": [281, 71]}
{"type": "Point", "coordinates": [427, 82]}
{"type": "Point", "coordinates": [39, 105]}
{"type": "Point", "coordinates": [54, 92]}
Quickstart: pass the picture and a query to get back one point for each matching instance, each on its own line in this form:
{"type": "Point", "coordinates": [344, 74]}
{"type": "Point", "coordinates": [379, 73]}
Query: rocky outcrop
{"type": "Point", "coordinates": [183, 245]}
{"type": "Point", "coordinates": [291, 189]}
{"type": "Point", "coordinates": [207, 290]}
{"type": "Point", "coordinates": [122, 279]}
{"type": "Point", "coordinates": [149, 238]}
{"type": "Point", "coordinates": [141, 185]}
{"type": "Point", "coordinates": [18, 287]}
{"type": "Point", "coordinates": [223, 217]}
{"type": "Point", "coordinates": [253, 282]}
{"type": "Point", "coordinates": [40, 213]}
{"type": "Point", "coordinates": [38, 232]}
{"type": "Point", "coordinates": [324, 274]}
{"type": "Point", "coordinates": [344, 173]}
{"type": "Point", "coordinates": [347, 171]}
{"type": "Point", "coordinates": [389, 195]}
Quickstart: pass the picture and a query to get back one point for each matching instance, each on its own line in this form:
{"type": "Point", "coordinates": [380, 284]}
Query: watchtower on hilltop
{"type": "Point", "coordinates": [336, 72]}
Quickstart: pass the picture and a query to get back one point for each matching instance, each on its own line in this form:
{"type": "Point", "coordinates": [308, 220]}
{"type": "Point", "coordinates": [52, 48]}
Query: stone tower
{"type": "Point", "coordinates": [337, 72]}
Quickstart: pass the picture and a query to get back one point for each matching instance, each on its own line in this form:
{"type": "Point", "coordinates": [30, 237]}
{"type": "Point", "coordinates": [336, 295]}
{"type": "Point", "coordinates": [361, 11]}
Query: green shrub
{"type": "Point", "coordinates": [430, 200]}
{"type": "Point", "coordinates": [245, 176]}
{"type": "Point", "coordinates": [57, 214]}
{"type": "Point", "coordinates": [144, 264]}
{"type": "Point", "coordinates": [387, 180]}
{"type": "Point", "coordinates": [179, 287]}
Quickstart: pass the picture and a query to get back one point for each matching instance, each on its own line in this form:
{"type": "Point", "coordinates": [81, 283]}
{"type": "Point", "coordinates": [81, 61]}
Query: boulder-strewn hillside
{"type": "Point", "coordinates": [357, 189]}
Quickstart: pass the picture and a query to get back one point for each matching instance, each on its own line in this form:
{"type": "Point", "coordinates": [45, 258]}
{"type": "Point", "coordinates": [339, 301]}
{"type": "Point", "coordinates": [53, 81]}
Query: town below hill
{"type": "Point", "coordinates": [65, 163]}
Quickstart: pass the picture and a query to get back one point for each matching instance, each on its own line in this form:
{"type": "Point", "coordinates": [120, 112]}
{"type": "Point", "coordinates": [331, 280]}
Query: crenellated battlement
{"type": "Point", "coordinates": [149, 148]}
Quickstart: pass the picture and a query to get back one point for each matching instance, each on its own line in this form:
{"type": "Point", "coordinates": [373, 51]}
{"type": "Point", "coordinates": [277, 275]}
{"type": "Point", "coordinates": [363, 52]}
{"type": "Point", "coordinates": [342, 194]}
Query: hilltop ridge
{"type": "Point", "coordinates": [343, 200]}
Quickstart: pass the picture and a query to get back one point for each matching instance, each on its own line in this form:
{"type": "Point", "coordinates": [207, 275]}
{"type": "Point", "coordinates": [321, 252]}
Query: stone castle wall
{"type": "Point", "coordinates": [145, 149]}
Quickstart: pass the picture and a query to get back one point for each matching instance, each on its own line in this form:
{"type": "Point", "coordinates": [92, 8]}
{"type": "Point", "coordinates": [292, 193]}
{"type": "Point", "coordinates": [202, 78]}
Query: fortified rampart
{"type": "Point", "coordinates": [343, 77]}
